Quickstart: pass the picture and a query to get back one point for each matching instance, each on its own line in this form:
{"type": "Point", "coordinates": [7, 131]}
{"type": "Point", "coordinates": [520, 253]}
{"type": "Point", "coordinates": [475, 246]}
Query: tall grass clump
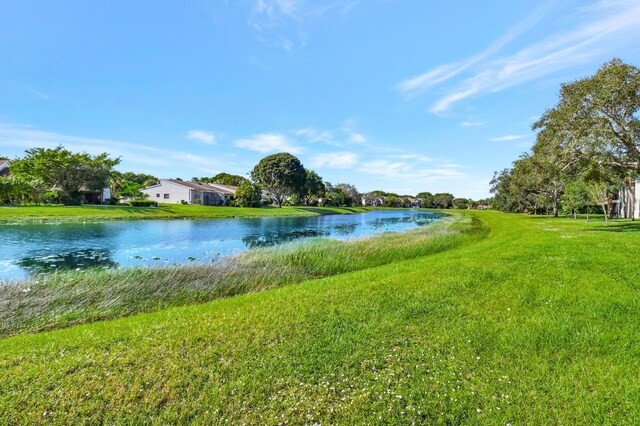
{"type": "Point", "coordinates": [65, 298]}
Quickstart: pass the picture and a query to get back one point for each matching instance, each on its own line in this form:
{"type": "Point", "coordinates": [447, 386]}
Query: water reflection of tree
{"type": "Point", "coordinates": [346, 228]}
{"type": "Point", "coordinates": [418, 219]}
{"type": "Point", "coordinates": [279, 237]}
{"type": "Point", "coordinates": [83, 259]}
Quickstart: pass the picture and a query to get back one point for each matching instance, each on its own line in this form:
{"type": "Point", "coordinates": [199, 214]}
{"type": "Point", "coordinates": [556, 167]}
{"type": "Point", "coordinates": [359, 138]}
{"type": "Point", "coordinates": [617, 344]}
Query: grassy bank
{"type": "Point", "coordinates": [535, 324]}
{"type": "Point", "coordinates": [37, 214]}
{"type": "Point", "coordinates": [61, 299]}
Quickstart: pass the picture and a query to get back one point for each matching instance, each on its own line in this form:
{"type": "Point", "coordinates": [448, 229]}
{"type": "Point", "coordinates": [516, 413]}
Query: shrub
{"type": "Point", "coordinates": [50, 197]}
{"type": "Point", "coordinates": [247, 195]}
{"type": "Point", "coordinates": [143, 203]}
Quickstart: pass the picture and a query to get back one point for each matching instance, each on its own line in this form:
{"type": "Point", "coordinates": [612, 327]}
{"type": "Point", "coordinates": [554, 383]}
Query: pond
{"type": "Point", "coordinates": [38, 248]}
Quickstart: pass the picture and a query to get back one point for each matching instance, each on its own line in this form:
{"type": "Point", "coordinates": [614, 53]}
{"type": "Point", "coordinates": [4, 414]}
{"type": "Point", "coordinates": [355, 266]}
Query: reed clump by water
{"type": "Point", "coordinates": [64, 298]}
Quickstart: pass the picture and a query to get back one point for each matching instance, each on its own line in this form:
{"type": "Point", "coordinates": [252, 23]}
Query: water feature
{"type": "Point", "coordinates": [29, 249]}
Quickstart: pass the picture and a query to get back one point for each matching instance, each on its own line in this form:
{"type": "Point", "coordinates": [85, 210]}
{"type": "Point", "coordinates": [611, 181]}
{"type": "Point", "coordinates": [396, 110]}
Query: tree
{"type": "Point", "coordinates": [140, 178]}
{"type": "Point", "coordinates": [129, 184]}
{"type": "Point", "coordinates": [601, 193]}
{"type": "Point", "coordinates": [548, 177]}
{"type": "Point", "coordinates": [393, 201]}
{"type": "Point", "coordinates": [461, 203]}
{"type": "Point", "coordinates": [351, 195]}
{"type": "Point", "coordinates": [21, 189]}
{"type": "Point", "coordinates": [128, 189]}
{"type": "Point", "coordinates": [224, 179]}
{"type": "Point", "coordinates": [600, 181]}
{"type": "Point", "coordinates": [248, 195]}
{"type": "Point", "coordinates": [443, 200]}
{"type": "Point", "coordinates": [68, 172]}
{"type": "Point", "coordinates": [530, 185]}
{"type": "Point", "coordinates": [575, 197]}
{"type": "Point", "coordinates": [426, 199]}
{"type": "Point", "coordinates": [282, 175]}
{"type": "Point", "coordinates": [313, 187]}
{"type": "Point", "coordinates": [596, 119]}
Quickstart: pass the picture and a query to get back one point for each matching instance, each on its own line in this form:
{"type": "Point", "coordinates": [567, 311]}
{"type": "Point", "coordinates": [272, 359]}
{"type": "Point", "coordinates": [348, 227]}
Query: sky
{"type": "Point", "coordinates": [397, 95]}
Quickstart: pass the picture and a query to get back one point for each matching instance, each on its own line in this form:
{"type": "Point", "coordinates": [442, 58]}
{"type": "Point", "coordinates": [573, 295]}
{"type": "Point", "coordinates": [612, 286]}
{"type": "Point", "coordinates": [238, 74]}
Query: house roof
{"type": "Point", "coordinates": [4, 162]}
{"type": "Point", "coordinates": [192, 185]}
{"type": "Point", "coordinates": [225, 189]}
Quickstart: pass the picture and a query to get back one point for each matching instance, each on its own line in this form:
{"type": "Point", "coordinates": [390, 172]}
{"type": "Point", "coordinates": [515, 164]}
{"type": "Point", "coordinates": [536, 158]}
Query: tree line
{"type": "Point", "coordinates": [59, 176]}
{"type": "Point", "coordinates": [586, 153]}
{"type": "Point", "coordinates": [288, 182]}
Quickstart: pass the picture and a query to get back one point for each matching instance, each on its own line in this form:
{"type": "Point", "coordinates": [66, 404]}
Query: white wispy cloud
{"type": "Point", "coordinates": [472, 123]}
{"type": "Point", "coordinates": [344, 137]}
{"type": "Point", "coordinates": [419, 84]}
{"type": "Point", "coordinates": [403, 171]}
{"type": "Point", "coordinates": [602, 25]}
{"type": "Point", "coordinates": [507, 138]}
{"type": "Point", "coordinates": [203, 136]}
{"type": "Point", "coordinates": [276, 12]}
{"type": "Point", "coordinates": [416, 157]}
{"type": "Point", "coordinates": [138, 156]}
{"type": "Point", "coordinates": [352, 135]}
{"type": "Point", "coordinates": [37, 93]}
{"type": "Point", "coordinates": [282, 23]}
{"type": "Point", "coordinates": [313, 135]}
{"type": "Point", "coordinates": [268, 142]}
{"type": "Point", "coordinates": [335, 160]}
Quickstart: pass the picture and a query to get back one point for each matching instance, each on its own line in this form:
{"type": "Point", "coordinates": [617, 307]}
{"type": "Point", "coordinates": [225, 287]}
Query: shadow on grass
{"type": "Point", "coordinates": [617, 227]}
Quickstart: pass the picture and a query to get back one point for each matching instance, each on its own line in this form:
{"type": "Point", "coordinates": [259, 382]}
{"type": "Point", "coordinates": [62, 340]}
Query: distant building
{"type": "Point", "coordinates": [415, 202]}
{"type": "Point", "coordinates": [101, 196]}
{"type": "Point", "coordinates": [172, 191]}
{"type": "Point", "coordinates": [5, 165]}
{"type": "Point", "coordinates": [373, 200]}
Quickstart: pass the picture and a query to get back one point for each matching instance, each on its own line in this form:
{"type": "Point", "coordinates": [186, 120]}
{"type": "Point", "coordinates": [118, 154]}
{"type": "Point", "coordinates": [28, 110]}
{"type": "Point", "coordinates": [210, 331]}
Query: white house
{"type": "Point", "coordinates": [628, 202]}
{"type": "Point", "coordinates": [173, 191]}
{"type": "Point", "coordinates": [373, 200]}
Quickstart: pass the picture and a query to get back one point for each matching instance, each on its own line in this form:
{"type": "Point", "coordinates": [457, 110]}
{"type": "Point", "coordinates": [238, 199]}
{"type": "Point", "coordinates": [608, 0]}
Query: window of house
{"type": "Point", "coordinates": [157, 195]}
{"type": "Point", "coordinates": [166, 196]}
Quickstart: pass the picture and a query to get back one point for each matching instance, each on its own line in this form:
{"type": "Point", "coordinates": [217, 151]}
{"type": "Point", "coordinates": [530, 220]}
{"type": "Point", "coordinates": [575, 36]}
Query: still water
{"type": "Point", "coordinates": [31, 249]}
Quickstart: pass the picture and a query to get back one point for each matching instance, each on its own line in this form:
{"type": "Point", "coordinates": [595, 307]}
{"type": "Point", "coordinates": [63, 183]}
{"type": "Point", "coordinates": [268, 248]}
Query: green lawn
{"type": "Point", "coordinates": [164, 211]}
{"type": "Point", "coordinates": [537, 323]}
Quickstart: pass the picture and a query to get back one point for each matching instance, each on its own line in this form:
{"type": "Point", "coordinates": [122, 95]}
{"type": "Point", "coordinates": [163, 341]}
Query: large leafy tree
{"type": "Point", "coordinates": [534, 183]}
{"type": "Point", "coordinates": [282, 175]}
{"type": "Point", "coordinates": [462, 203]}
{"type": "Point", "coordinates": [426, 199]}
{"type": "Point", "coordinates": [443, 200]}
{"type": "Point", "coordinates": [547, 176]}
{"type": "Point", "coordinates": [313, 187]}
{"type": "Point", "coordinates": [351, 195]}
{"type": "Point", "coordinates": [65, 171]}
{"type": "Point", "coordinates": [596, 119]}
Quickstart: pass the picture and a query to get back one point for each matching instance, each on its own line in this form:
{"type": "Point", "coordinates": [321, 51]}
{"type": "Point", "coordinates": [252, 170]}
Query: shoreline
{"type": "Point", "coordinates": [33, 215]}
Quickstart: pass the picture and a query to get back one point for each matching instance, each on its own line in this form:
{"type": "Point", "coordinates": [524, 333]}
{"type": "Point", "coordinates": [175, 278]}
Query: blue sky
{"type": "Point", "coordinates": [404, 96]}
